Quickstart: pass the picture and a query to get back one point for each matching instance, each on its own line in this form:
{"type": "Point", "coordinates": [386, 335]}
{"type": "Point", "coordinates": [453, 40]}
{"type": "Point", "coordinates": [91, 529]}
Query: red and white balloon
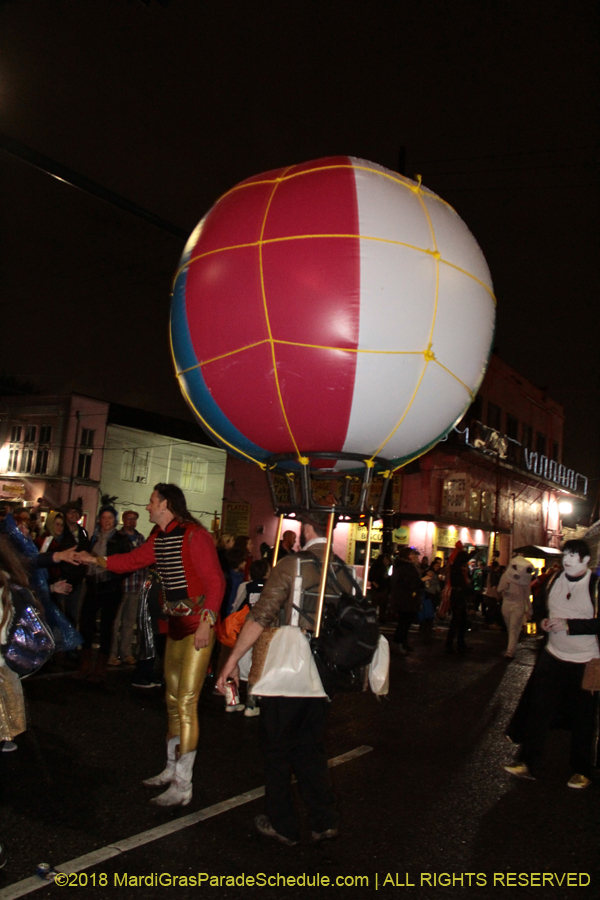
{"type": "Point", "coordinates": [331, 306]}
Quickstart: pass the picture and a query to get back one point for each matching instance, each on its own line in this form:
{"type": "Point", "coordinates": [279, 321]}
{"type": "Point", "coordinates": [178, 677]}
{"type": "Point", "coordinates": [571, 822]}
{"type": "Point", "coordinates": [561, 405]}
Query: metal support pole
{"type": "Point", "coordinates": [368, 552]}
{"type": "Point", "coordinates": [323, 585]}
{"type": "Point", "coordinates": [277, 539]}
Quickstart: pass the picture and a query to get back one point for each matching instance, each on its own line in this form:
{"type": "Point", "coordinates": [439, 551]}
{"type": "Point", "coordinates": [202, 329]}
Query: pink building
{"type": "Point", "coordinates": [51, 449]}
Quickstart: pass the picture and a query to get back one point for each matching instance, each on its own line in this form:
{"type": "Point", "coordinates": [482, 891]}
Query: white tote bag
{"type": "Point", "coordinates": [379, 669]}
{"type": "Point", "coordinates": [289, 669]}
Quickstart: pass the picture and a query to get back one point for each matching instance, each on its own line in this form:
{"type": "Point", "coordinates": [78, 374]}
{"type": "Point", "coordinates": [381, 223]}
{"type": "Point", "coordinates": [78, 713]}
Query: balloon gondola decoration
{"type": "Point", "coordinates": [331, 320]}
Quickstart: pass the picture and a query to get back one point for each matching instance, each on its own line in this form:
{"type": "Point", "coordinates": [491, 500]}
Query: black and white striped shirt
{"type": "Point", "coordinates": [167, 548]}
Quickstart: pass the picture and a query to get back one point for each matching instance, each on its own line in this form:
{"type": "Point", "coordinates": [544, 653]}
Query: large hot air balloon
{"type": "Point", "coordinates": [335, 308]}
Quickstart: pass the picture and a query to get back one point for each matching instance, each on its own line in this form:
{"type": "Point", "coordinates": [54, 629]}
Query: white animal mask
{"type": "Point", "coordinates": [520, 570]}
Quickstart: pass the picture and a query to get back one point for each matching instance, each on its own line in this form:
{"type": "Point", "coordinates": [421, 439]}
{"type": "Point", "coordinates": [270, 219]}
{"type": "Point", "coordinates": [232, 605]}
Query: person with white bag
{"type": "Point", "coordinates": [294, 705]}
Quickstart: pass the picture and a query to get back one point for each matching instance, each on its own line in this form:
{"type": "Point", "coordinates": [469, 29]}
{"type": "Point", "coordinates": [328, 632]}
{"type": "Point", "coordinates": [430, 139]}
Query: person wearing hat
{"type": "Point", "coordinates": [120, 651]}
{"type": "Point", "coordinates": [292, 728]}
{"type": "Point", "coordinates": [103, 594]}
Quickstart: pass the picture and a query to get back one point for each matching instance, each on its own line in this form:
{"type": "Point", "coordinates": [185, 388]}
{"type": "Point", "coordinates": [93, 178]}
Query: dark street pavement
{"type": "Point", "coordinates": [429, 805]}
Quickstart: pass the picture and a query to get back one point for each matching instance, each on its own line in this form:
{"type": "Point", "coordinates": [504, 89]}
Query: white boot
{"type": "Point", "coordinates": [180, 791]}
{"type": "Point", "coordinates": [168, 773]}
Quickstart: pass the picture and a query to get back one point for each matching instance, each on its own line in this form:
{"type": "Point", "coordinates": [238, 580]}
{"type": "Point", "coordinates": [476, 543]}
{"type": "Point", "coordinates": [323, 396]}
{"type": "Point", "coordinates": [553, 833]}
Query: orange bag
{"type": "Point", "coordinates": [227, 630]}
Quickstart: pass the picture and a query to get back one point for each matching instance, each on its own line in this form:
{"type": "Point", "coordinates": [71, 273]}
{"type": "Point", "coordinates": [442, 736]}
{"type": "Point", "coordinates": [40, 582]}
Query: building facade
{"type": "Point", "coordinates": [51, 450]}
{"type": "Point", "coordinates": [498, 481]}
{"type": "Point", "coordinates": [59, 448]}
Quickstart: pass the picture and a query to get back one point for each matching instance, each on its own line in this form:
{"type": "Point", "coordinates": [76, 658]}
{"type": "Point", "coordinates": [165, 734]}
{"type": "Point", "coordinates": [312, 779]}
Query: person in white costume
{"type": "Point", "coordinates": [514, 588]}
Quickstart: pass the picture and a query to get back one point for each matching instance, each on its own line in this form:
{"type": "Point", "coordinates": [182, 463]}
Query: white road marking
{"type": "Point", "coordinates": [27, 885]}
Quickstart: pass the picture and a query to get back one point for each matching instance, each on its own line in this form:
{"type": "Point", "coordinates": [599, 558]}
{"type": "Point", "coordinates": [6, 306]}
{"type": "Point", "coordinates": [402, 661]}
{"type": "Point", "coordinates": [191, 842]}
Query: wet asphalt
{"type": "Point", "coordinates": [428, 812]}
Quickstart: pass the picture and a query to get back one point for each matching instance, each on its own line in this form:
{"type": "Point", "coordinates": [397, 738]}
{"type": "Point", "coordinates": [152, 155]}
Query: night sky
{"type": "Point", "coordinates": [170, 104]}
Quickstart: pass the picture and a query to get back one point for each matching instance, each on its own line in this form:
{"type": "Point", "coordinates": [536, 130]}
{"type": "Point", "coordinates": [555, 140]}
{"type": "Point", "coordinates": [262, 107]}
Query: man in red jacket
{"type": "Point", "coordinates": [193, 584]}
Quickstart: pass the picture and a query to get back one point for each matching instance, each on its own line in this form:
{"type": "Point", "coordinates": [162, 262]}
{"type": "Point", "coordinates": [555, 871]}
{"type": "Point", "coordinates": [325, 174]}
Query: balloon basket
{"type": "Point", "coordinates": [358, 489]}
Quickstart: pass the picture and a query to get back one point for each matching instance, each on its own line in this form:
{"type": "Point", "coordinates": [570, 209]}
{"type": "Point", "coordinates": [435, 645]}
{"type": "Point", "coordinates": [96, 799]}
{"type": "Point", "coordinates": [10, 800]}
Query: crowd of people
{"type": "Point", "coordinates": [407, 589]}
{"type": "Point", "coordinates": [208, 605]}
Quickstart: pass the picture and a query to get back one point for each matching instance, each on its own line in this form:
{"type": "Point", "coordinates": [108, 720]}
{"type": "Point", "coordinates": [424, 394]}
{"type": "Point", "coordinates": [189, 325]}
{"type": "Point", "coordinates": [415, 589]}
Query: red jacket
{"type": "Point", "coordinates": [202, 568]}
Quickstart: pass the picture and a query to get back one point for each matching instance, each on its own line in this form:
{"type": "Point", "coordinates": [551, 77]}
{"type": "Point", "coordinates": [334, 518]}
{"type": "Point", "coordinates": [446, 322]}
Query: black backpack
{"type": "Point", "coordinates": [348, 636]}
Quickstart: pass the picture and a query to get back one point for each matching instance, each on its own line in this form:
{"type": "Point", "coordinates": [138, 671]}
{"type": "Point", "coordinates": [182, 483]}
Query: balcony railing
{"type": "Point", "coordinates": [489, 441]}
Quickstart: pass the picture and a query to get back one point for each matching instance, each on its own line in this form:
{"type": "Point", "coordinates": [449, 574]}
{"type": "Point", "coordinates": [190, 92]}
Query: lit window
{"type": "Point", "coordinates": [487, 506]}
{"type": "Point", "coordinates": [474, 503]}
{"type": "Point", "coordinates": [13, 459]}
{"type": "Point", "coordinates": [27, 458]}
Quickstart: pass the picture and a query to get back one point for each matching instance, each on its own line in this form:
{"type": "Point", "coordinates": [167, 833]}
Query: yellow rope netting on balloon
{"type": "Point", "coordinates": [427, 354]}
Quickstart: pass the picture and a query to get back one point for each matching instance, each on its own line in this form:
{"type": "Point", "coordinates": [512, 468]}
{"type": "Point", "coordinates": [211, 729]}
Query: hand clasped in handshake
{"type": "Point", "coordinates": [85, 559]}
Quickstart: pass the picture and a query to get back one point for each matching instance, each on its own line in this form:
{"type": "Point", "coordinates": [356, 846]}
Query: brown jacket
{"type": "Point", "coordinates": [278, 593]}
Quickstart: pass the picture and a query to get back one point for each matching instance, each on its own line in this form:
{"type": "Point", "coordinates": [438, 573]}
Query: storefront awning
{"type": "Point", "coordinates": [538, 552]}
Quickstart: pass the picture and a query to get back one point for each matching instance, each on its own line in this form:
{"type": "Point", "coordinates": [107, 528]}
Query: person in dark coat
{"type": "Point", "coordinates": [405, 594]}
{"type": "Point", "coordinates": [460, 583]}
{"type": "Point", "coordinates": [76, 536]}
{"type": "Point", "coordinates": [379, 579]}
{"type": "Point", "coordinates": [103, 593]}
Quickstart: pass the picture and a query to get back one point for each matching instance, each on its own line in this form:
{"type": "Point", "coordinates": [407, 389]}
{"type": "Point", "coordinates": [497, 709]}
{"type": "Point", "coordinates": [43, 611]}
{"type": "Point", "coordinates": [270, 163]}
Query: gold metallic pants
{"type": "Point", "coordinates": [185, 671]}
